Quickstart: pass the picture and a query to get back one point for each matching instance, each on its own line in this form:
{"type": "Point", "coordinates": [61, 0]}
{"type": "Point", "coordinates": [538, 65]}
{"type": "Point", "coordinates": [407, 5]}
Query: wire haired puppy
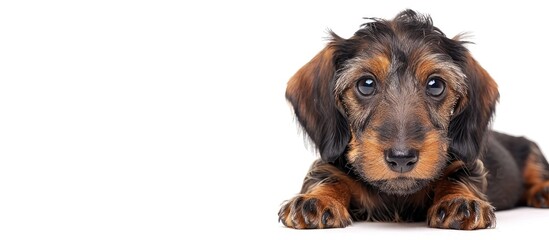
{"type": "Point", "coordinates": [399, 114]}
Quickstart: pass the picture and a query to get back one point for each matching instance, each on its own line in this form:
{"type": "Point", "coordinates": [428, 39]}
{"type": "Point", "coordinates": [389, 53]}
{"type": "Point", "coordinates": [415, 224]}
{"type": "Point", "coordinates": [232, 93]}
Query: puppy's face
{"type": "Point", "coordinates": [399, 95]}
{"type": "Point", "coordinates": [394, 101]}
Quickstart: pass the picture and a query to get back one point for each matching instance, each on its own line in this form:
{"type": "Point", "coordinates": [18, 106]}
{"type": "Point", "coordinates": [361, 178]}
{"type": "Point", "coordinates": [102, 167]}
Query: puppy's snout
{"type": "Point", "coordinates": [401, 159]}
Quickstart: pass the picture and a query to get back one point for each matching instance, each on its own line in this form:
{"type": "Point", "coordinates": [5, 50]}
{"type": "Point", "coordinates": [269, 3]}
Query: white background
{"type": "Point", "coordinates": [167, 119]}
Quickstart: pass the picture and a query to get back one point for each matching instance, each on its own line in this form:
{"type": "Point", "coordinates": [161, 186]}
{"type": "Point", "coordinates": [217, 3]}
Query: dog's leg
{"type": "Point", "coordinates": [324, 200]}
{"type": "Point", "coordinates": [536, 179]}
{"type": "Point", "coordinates": [458, 200]}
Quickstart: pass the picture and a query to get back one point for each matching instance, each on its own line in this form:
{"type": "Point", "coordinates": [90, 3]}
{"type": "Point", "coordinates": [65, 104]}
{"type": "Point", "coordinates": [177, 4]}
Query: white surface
{"type": "Point", "coordinates": [164, 119]}
{"type": "Point", "coordinates": [517, 223]}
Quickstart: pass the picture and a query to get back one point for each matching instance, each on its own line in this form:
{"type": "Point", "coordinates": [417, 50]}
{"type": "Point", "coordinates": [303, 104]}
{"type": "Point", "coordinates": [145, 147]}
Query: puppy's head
{"type": "Point", "coordinates": [397, 100]}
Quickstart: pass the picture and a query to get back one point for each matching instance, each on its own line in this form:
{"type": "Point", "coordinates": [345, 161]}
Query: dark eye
{"type": "Point", "coordinates": [366, 86]}
{"type": "Point", "coordinates": [435, 86]}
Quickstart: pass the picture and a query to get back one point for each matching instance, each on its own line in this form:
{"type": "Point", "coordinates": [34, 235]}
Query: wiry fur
{"type": "Point", "coordinates": [456, 171]}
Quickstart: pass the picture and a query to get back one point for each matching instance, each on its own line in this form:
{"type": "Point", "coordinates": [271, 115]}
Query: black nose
{"type": "Point", "coordinates": [401, 159]}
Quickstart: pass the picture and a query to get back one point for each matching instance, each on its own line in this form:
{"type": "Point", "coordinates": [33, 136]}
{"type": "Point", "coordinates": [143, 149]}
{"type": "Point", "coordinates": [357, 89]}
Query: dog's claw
{"type": "Point", "coordinates": [326, 216]}
{"type": "Point", "coordinates": [441, 214]}
{"type": "Point", "coordinates": [464, 209]}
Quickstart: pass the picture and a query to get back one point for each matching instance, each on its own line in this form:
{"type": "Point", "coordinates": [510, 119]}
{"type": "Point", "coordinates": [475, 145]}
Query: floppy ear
{"type": "Point", "coordinates": [469, 126]}
{"type": "Point", "coordinates": [311, 92]}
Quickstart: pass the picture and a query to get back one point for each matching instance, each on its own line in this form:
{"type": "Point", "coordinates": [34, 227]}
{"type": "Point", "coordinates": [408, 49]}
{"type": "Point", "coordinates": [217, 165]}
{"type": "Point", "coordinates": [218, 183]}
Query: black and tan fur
{"type": "Point", "coordinates": [392, 147]}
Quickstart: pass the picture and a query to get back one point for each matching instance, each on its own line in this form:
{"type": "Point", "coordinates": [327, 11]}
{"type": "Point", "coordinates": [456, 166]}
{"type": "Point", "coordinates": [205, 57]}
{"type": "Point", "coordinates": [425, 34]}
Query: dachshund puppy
{"type": "Point", "coordinates": [400, 116]}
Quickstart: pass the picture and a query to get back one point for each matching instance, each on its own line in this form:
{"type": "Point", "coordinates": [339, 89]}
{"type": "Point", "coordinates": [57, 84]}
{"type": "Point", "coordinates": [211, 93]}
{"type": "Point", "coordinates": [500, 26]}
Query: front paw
{"type": "Point", "coordinates": [310, 211]}
{"type": "Point", "coordinates": [458, 212]}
